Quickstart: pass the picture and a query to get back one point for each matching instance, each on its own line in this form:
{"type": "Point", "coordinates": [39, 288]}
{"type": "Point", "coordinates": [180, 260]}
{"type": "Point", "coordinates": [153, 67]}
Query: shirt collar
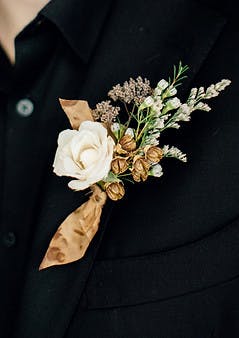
{"type": "Point", "coordinates": [79, 21]}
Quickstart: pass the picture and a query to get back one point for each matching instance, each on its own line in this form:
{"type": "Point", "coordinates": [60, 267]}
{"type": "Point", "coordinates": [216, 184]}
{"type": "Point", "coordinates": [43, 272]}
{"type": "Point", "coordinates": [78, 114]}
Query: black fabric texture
{"type": "Point", "coordinates": [165, 261]}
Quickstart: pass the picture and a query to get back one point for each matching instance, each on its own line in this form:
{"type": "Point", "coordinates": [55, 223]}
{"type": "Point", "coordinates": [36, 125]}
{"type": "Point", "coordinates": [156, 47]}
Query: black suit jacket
{"type": "Point", "coordinates": [165, 261]}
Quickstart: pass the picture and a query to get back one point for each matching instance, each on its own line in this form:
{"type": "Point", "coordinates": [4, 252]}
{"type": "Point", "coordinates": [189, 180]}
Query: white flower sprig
{"type": "Point", "coordinates": [174, 152]}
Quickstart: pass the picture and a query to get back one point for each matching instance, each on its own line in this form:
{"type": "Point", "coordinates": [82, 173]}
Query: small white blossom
{"type": "Point", "coordinates": [155, 134]}
{"type": "Point", "coordinates": [156, 170]}
{"type": "Point", "coordinates": [157, 91]}
{"type": "Point", "coordinates": [185, 109]}
{"type": "Point", "coordinates": [115, 127]}
{"type": "Point", "coordinates": [183, 117]}
{"type": "Point", "coordinates": [149, 101]}
{"type": "Point", "coordinates": [162, 84]}
{"type": "Point", "coordinates": [213, 90]}
{"type": "Point", "coordinates": [165, 117]}
{"type": "Point", "coordinates": [193, 93]}
{"type": "Point", "coordinates": [191, 102]}
{"type": "Point", "coordinates": [130, 132]}
{"type": "Point", "coordinates": [174, 103]}
{"type": "Point", "coordinates": [202, 106]}
{"type": "Point", "coordinates": [201, 91]}
{"type": "Point", "coordinates": [151, 140]}
{"type": "Point", "coordinates": [157, 106]}
{"type": "Point", "coordinates": [159, 123]}
{"type": "Point", "coordinates": [174, 152]}
{"type": "Point", "coordinates": [175, 125]}
{"type": "Point", "coordinates": [159, 102]}
{"type": "Point", "coordinates": [172, 91]}
{"type": "Point", "coordinates": [222, 85]}
{"type": "Point", "coordinates": [183, 113]}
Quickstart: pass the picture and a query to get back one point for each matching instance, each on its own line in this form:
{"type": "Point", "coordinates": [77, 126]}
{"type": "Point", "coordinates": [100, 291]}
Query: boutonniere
{"type": "Point", "coordinates": [113, 144]}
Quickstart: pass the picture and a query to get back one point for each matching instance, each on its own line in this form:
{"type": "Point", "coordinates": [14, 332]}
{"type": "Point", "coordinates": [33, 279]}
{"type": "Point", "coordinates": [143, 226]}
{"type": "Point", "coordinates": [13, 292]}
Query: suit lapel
{"type": "Point", "coordinates": [127, 48]}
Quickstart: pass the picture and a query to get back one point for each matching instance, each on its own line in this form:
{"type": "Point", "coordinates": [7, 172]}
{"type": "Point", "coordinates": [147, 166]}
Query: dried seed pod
{"type": "Point", "coordinates": [115, 190]}
{"type": "Point", "coordinates": [140, 169]}
{"type": "Point", "coordinates": [119, 165]}
{"type": "Point", "coordinates": [153, 154]}
{"type": "Point", "coordinates": [136, 176]}
{"type": "Point", "coordinates": [119, 150]}
{"type": "Point", "coordinates": [128, 143]}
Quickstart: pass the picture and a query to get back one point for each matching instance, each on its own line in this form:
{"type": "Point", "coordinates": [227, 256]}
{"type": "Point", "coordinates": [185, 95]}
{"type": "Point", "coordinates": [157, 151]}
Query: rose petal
{"type": "Point", "coordinates": [78, 185]}
{"type": "Point", "coordinates": [65, 136]}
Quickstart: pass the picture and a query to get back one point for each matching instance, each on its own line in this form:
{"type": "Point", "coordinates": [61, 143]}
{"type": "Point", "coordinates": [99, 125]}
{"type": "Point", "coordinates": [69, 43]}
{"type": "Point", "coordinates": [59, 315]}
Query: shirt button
{"type": "Point", "coordinates": [39, 22]}
{"type": "Point", "coordinates": [25, 107]}
{"type": "Point", "coordinates": [9, 239]}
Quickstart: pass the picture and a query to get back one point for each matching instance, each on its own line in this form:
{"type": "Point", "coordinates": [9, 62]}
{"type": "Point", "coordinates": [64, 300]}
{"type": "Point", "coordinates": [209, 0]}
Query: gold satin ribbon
{"type": "Point", "coordinates": [74, 235]}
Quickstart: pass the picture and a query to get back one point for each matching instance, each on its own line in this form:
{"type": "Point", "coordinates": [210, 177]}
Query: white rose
{"type": "Point", "coordinates": [84, 154]}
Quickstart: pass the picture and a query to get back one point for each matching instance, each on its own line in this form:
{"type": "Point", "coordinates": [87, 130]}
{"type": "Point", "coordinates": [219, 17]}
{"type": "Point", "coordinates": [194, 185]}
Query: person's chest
{"type": "Point", "coordinates": [30, 120]}
{"type": "Point", "coordinates": [47, 69]}
{"type": "Point", "coordinates": [154, 216]}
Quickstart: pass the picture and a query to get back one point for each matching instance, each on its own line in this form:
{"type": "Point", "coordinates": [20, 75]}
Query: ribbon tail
{"type": "Point", "coordinates": [74, 235]}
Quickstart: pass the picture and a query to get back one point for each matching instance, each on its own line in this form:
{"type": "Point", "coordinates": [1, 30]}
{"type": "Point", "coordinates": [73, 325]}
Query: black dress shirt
{"type": "Point", "coordinates": [47, 67]}
{"type": "Point", "coordinates": [164, 262]}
